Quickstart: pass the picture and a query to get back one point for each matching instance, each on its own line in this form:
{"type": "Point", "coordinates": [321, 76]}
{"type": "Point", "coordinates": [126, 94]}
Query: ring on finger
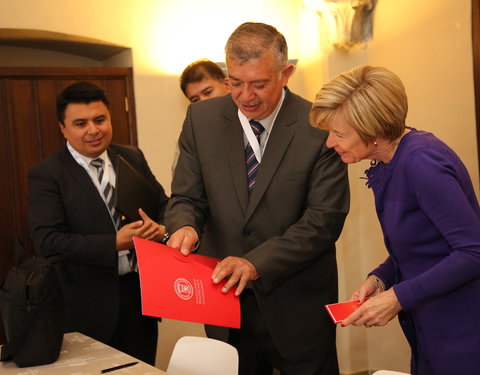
{"type": "Point", "coordinates": [367, 325]}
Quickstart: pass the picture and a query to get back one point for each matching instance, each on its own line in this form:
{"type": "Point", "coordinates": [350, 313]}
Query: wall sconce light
{"type": "Point", "coordinates": [348, 22]}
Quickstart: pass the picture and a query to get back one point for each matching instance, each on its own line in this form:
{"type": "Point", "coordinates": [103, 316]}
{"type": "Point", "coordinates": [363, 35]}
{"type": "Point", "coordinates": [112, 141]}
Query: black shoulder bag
{"type": "Point", "coordinates": [32, 310]}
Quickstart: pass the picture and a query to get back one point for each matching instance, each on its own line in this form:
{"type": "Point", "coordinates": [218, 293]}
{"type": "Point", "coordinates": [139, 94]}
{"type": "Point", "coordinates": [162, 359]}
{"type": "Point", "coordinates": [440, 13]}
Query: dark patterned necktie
{"type": "Point", "coordinates": [109, 200]}
{"type": "Point", "coordinates": [251, 160]}
{"type": "Point", "coordinates": [107, 190]}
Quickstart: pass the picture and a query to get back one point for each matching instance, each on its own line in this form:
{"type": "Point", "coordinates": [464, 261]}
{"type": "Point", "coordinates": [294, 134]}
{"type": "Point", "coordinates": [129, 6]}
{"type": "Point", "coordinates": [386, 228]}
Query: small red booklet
{"type": "Point", "coordinates": [340, 311]}
{"type": "Point", "coordinates": [174, 286]}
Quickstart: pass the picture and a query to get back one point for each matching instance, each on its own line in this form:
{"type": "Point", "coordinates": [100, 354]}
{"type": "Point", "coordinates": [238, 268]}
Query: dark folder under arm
{"type": "Point", "coordinates": [132, 191]}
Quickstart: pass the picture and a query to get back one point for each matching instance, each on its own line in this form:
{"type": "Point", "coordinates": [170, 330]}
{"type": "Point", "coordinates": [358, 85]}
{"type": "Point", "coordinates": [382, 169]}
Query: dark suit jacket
{"type": "Point", "coordinates": [68, 216]}
{"type": "Point", "coordinates": [287, 228]}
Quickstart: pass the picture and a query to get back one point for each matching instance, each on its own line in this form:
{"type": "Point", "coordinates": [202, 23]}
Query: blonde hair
{"type": "Point", "coordinates": [373, 100]}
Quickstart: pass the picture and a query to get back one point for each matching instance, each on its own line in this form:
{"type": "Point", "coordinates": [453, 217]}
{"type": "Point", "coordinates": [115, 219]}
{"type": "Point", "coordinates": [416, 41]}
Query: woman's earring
{"type": "Point", "coordinates": [375, 143]}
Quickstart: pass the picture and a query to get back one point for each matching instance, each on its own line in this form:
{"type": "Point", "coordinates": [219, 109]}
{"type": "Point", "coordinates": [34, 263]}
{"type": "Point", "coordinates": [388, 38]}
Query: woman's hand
{"type": "Point", "coordinates": [376, 311]}
{"type": "Point", "coordinates": [370, 287]}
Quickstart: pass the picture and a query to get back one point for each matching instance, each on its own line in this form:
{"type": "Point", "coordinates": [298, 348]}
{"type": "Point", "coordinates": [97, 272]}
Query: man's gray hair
{"type": "Point", "coordinates": [251, 40]}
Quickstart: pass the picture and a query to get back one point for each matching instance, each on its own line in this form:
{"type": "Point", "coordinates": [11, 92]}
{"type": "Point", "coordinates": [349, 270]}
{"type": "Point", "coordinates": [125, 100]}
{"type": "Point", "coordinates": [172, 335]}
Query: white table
{"type": "Point", "coordinates": [82, 355]}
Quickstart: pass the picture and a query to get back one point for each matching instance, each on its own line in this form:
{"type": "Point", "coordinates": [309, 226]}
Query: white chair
{"type": "Point", "coordinates": [203, 356]}
{"type": "Point", "coordinates": [387, 372]}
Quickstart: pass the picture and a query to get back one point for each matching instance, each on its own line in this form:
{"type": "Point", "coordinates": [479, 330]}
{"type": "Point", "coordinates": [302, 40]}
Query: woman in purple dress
{"type": "Point", "coordinates": [429, 216]}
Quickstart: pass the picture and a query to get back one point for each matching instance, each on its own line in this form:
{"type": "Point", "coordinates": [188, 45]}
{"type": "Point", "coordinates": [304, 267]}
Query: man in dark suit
{"type": "Point", "coordinates": [70, 212]}
{"type": "Point", "coordinates": [274, 234]}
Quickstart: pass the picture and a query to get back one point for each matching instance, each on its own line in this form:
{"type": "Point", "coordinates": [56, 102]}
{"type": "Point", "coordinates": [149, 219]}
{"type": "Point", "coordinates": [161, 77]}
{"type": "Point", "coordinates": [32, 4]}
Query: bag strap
{"type": "Point", "coordinates": [20, 255]}
{"type": "Point", "coordinates": [53, 259]}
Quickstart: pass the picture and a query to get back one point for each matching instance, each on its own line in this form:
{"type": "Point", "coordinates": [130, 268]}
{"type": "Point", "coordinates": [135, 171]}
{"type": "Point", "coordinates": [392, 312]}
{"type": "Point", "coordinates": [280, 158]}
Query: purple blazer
{"type": "Point", "coordinates": [430, 219]}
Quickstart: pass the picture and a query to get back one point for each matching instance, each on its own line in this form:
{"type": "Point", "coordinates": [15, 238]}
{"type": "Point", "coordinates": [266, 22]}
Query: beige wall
{"type": "Point", "coordinates": [427, 43]}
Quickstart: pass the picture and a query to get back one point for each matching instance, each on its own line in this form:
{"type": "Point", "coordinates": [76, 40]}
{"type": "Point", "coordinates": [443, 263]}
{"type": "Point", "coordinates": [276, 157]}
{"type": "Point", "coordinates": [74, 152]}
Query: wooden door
{"type": "Point", "coordinates": [29, 133]}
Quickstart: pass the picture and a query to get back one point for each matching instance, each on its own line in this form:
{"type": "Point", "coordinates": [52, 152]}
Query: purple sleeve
{"type": "Point", "coordinates": [386, 272]}
{"type": "Point", "coordinates": [443, 191]}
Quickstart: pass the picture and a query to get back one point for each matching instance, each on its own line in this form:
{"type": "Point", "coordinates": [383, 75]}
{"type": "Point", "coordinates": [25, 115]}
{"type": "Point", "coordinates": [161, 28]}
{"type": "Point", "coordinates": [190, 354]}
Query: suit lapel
{"type": "Point", "coordinates": [277, 146]}
{"type": "Point", "coordinates": [235, 152]}
{"type": "Point", "coordinates": [113, 158]}
{"type": "Point", "coordinates": [81, 176]}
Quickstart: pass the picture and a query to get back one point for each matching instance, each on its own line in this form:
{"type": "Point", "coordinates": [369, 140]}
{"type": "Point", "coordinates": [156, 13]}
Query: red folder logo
{"type": "Point", "coordinates": [183, 288]}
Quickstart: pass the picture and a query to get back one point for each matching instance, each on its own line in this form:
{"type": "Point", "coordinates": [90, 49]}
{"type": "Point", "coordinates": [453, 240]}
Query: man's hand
{"type": "Point", "coordinates": [185, 239]}
{"type": "Point", "coordinates": [125, 235]}
{"type": "Point", "coordinates": [150, 230]}
{"type": "Point", "coordinates": [145, 228]}
{"type": "Point", "coordinates": [239, 270]}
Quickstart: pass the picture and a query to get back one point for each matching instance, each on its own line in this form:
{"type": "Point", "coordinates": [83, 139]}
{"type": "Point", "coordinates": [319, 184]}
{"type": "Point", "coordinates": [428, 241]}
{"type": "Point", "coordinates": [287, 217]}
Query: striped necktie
{"type": "Point", "coordinates": [107, 191]}
{"type": "Point", "coordinates": [251, 160]}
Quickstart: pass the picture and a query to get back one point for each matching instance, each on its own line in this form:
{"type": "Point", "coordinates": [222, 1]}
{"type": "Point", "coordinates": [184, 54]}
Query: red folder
{"type": "Point", "coordinates": [340, 311]}
{"type": "Point", "coordinates": [179, 287]}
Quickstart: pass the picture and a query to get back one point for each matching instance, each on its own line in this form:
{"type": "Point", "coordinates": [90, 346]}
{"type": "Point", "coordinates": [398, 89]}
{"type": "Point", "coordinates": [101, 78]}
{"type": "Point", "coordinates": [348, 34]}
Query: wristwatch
{"type": "Point", "coordinates": [378, 283]}
{"type": "Point", "coordinates": [165, 238]}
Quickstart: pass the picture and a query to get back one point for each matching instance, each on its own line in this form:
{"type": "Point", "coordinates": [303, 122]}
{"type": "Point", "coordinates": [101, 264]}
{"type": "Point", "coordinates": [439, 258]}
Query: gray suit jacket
{"type": "Point", "coordinates": [68, 216]}
{"type": "Point", "coordinates": [288, 226]}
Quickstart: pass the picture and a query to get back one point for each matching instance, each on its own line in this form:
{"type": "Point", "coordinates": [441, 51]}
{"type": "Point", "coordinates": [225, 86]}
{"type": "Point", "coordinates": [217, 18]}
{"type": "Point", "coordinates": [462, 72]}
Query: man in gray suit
{"type": "Point", "coordinates": [256, 182]}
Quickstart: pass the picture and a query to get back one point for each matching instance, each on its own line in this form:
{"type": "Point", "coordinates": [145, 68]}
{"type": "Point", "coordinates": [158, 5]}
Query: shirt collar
{"type": "Point", "coordinates": [84, 160]}
{"type": "Point", "coordinates": [268, 121]}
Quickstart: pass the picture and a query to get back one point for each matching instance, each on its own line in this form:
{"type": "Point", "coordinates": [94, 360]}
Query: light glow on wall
{"type": "Point", "coordinates": [179, 32]}
{"type": "Point", "coordinates": [311, 45]}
